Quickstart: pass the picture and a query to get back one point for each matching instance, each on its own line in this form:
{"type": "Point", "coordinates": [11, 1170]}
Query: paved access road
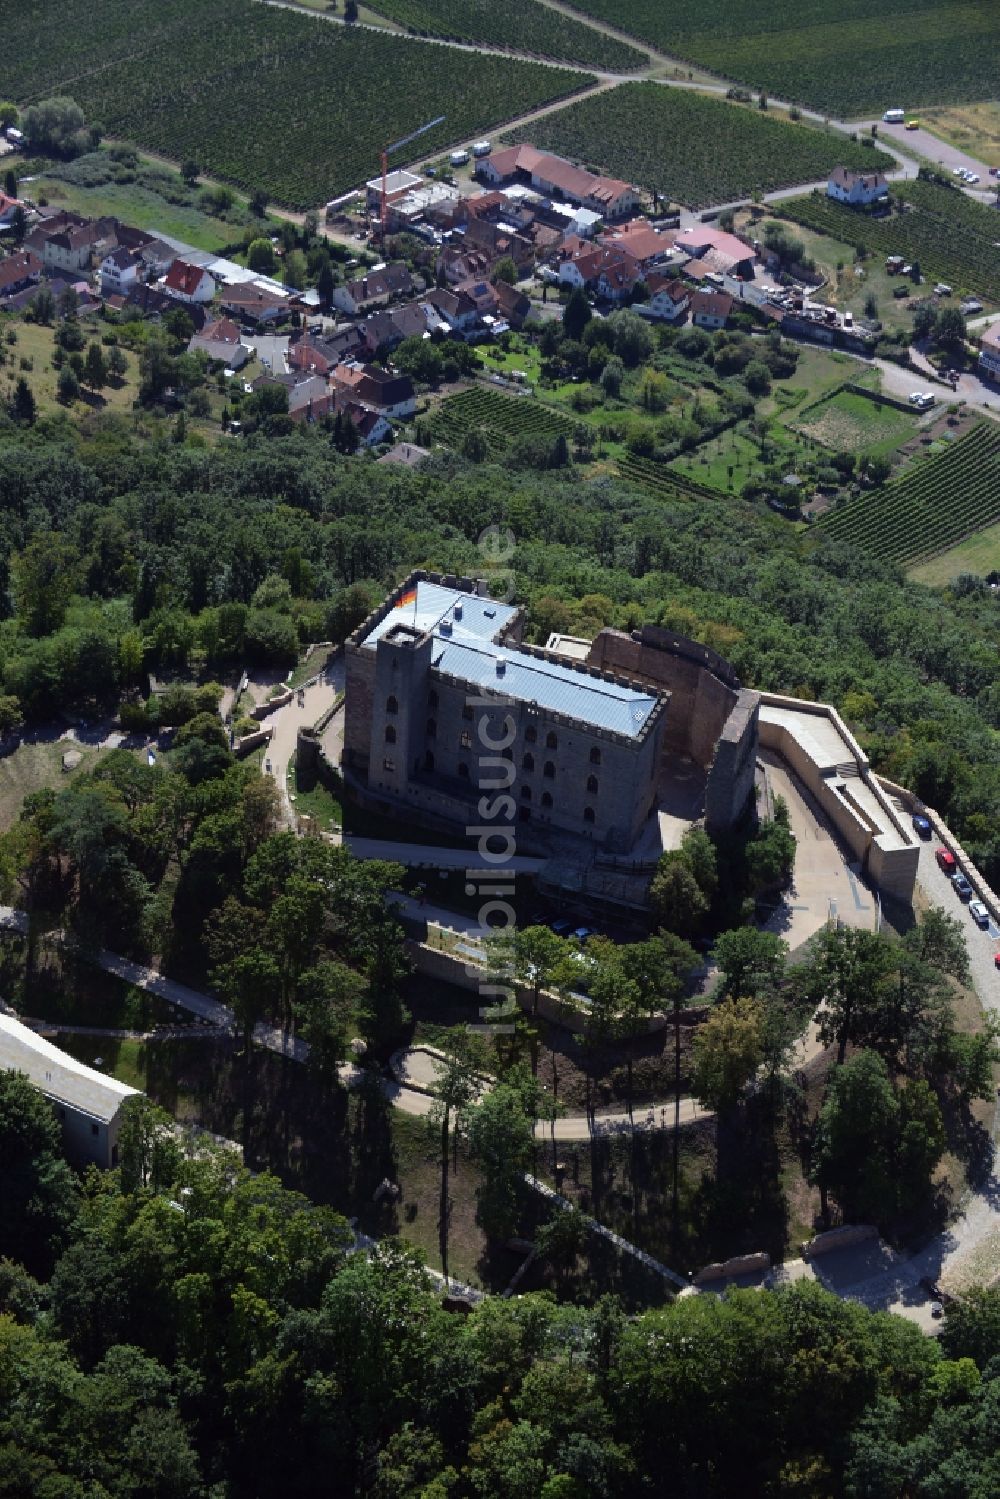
{"type": "Point", "coordinates": [935, 150]}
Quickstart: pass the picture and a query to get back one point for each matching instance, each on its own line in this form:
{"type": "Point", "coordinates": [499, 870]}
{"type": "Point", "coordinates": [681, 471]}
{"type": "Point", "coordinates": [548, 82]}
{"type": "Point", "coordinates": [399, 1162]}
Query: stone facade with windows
{"type": "Point", "coordinates": [447, 712]}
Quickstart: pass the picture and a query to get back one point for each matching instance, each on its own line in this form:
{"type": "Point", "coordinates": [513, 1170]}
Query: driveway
{"type": "Point", "coordinates": [981, 946]}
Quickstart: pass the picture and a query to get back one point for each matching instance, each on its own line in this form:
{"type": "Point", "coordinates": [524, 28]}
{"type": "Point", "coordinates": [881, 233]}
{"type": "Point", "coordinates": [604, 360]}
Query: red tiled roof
{"type": "Point", "coordinates": [222, 331]}
{"type": "Point", "coordinates": [184, 278]}
{"type": "Point", "coordinates": [701, 237]}
{"type": "Point", "coordinates": [19, 267]}
{"type": "Point", "coordinates": [711, 304]}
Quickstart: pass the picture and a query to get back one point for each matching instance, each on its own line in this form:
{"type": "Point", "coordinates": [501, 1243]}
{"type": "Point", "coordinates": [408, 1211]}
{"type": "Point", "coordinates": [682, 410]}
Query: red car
{"type": "Point", "coordinates": [946, 860]}
{"type": "Point", "coordinates": [996, 959]}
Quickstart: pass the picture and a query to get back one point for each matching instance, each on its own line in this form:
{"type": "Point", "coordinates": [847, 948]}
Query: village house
{"type": "Point", "coordinates": [557, 178]}
{"type": "Point", "coordinates": [120, 271]}
{"type": "Point", "coordinates": [497, 241]}
{"type": "Point", "coordinates": [405, 455]}
{"type": "Point", "coordinates": [608, 270]}
{"type": "Point", "coordinates": [254, 304]}
{"type": "Point", "coordinates": [456, 264]}
{"type": "Point", "coordinates": [154, 303]}
{"type": "Point", "coordinates": [69, 249]}
{"type": "Point", "coordinates": [856, 188]}
{"type": "Point", "coordinates": [450, 312]}
{"type": "Point", "coordinates": [220, 340]}
{"type": "Point", "coordinates": [989, 353]}
{"type": "Point", "coordinates": [374, 289]}
{"type": "Point", "coordinates": [157, 256]}
{"type": "Point", "coordinates": [367, 385]}
{"type": "Point", "coordinates": [669, 298]}
{"type": "Point", "coordinates": [718, 251]}
{"type": "Point", "coordinates": [8, 212]}
{"type": "Point", "coordinates": [371, 426]}
{"type": "Point", "coordinates": [710, 310]}
{"type": "Point", "coordinates": [19, 272]}
{"type": "Point", "coordinates": [309, 396]}
{"type": "Point", "coordinates": [513, 306]}
{"type": "Point", "coordinates": [645, 244]}
{"type": "Point", "coordinates": [188, 283]}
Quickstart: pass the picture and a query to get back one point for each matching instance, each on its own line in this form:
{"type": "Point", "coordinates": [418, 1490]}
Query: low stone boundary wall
{"type": "Point", "coordinates": [839, 1238]}
{"type": "Point", "coordinates": [250, 742]}
{"type": "Point", "coordinates": [740, 1264]}
{"type": "Point", "coordinates": [281, 700]}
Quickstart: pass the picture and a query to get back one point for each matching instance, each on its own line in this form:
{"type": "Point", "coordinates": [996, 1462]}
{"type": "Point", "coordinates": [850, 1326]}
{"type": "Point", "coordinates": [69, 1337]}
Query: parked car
{"type": "Point", "coordinates": [921, 825]}
{"type": "Point", "coordinates": [962, 887]}
{"type": "Point", "coordinates": [913, 124]}
{"type": "Point", "coordinates": [996, 960]}
{"type": "Point", "coordinates": [946, 860]}
{"type": "Point", "coordinates": [979, 914]}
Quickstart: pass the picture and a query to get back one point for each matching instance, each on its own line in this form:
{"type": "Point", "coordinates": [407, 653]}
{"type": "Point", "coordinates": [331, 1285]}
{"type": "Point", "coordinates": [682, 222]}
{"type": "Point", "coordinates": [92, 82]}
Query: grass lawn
{"type": "Point", "coordinates": [35, 343]}
{"type": "Point", "coordinates": [141, 208]}
{"type": "Point", "coordinates": [847, 422]}
{"type": "Point", "coordinates": [34, 766]}
{"type": "Point", "coordinates": [312, 799]}
{"type": "Point", "coordinates": [712, 462]}
{"type": "Point", "coordinates": [974, 128]}
{"type": "Point", "coordinates": [977, 554]}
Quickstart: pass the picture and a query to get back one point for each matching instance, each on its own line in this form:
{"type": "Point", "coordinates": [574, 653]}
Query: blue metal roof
{"type": "Point", "coordinates": [554, 688]}
{"type": "Point", "coordinates": [434, 605]}
{"type": "Point", "coordinates": [465, 647]}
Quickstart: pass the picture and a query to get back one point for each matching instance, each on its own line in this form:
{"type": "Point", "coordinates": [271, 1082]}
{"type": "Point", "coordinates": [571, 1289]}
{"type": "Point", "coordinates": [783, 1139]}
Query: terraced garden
{"type": "Point", "coordinates": [692, 148]}
{"type": "Point", "coordinates": [524, 25]}
{"type": "Point", "coordinates": [847, 62]}
{"type": "Point", "coordinates": [932, 507]}
{"type": "Point", "coordinates": [951, 236]}
{"type": "Point", "coordinates": [500, 419]}
{"type": "Point", "coordinates": [649, 474]}
{"type": "Point", "coordinates": [303, 114]}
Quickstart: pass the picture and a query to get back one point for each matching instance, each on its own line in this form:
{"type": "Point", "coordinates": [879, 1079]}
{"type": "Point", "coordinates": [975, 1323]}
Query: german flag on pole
{"type": "Point", "coordinates": [410, 597]}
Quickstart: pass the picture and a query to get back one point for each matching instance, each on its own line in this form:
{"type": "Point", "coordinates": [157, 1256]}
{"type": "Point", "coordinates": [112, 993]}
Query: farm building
{"type": "Point", "coordinates": [718, 251]}
{"type": "Point", "coordinates": [397, 185]}
{"type": "Point", "coordinates": [557, 178]}
{"type": "Point", "coordinates": [856, 188]}
{"type": "Point", "coordinates": [87, 1103]}
{"type": "Point", "coordinates": [989, 353]}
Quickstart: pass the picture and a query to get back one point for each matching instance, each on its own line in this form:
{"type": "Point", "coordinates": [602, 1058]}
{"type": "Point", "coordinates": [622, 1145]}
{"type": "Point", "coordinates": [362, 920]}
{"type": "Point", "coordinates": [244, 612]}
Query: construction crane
{"type": "Point", "coordinates": [398, 146]}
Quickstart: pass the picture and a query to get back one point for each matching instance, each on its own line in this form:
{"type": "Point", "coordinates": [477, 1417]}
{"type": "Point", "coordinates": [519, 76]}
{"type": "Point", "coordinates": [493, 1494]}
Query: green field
{"type": "Point", "coordinates": [851, 423]}
{"type": "Point", "coordinates": [849, 61]}
{"type": "Point", "coordinates": [952, 236]}
{"type": "Point", "coordinates": [931, 507]}
{"type": "Point", "coordinates": [979, 554]}
{"type": "Point", "coordinates": [524, 25]}
{"type": "Point", "coordinates": [303, 112]}
{"type": "Point", "coordinates": [728, 151]}
{"type": "Point", "coordinates": [140, 207]}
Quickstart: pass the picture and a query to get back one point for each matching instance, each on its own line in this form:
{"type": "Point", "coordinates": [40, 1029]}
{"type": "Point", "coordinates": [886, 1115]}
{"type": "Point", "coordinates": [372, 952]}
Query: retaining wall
{"type": "Point", "coordinates": [947, 839]}
{"type": "Point", "coordinates": [839, 1238]}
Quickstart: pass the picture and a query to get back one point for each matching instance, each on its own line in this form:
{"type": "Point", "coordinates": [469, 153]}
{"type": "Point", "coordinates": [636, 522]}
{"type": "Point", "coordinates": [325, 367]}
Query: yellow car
{"type": "Point", "coordinates": [913, 124]}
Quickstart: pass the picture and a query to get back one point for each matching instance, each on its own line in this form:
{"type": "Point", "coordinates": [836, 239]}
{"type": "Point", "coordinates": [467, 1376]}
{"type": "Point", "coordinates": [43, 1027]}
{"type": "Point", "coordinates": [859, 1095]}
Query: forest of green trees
{"type": "Point", "coordinates": [180, 1329]}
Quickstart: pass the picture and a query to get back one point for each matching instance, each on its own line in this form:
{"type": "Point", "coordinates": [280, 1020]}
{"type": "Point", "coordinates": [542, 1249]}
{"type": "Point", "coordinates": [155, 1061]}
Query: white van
{"type": "Point", "coordinates": [458, 158]}
{"type": "Point", "coordinates": [481, 148]}
{"type": "Point", "coordinates": [894, 116]}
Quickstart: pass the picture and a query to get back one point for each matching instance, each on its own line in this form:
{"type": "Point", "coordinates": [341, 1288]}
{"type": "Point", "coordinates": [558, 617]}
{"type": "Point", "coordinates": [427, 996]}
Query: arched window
{"type": "Point", "coordinates": [432, 699]}
{"type": "Point", "coordinates": [528, 762]}
{"type": "Point", "coordinates": [463, 772]}
{"type": "Point", "coordinates": [595, 756]}
{"type": "Point", "coordinates": [551, 742]}
{"type": "Point", "coordinates": [526, 793]}
{"type": "Point", "coordinates": [432, 728]}
{"type": "Point", "coordinates": [550, 771]}
{"type": "Point", "coordinates": [390, 734]}
{"type": "Point", "coordinates": [429, 760]}
{"type": "Point", "coordinates": [546, 799]}
{"type": "Point", "coordinates": [588, 814]}
{"type": "Point", "coordinates": [592, 785]}
{"type": "Point", "coordinates": [530, 734]}
{"type": "Point", "coordinates": [391, 705]}
{"type": "Point", "coordinates": [466, 739]}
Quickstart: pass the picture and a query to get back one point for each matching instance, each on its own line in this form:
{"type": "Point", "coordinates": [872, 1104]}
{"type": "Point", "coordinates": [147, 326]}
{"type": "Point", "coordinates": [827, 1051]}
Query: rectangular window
{"type": "Point", "coordinates": [94, 1129]}
{"type": "Point", "coordinates": [388, 763]}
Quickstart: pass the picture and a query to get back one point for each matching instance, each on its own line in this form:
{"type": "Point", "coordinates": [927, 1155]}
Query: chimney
{"type": "Point", "coordinates": [501, 666]}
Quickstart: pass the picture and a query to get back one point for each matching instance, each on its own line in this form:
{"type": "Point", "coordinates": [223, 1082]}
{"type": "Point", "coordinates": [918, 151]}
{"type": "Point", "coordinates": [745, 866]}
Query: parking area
{"type": "Point", "coordinates": [982, 945]}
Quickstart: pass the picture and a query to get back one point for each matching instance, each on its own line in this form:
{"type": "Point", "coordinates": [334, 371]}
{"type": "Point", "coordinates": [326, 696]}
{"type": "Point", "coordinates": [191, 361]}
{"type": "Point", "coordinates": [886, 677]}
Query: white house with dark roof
{"type": "Point", "coordinates": [989, 353]}
{"type": "Point", "coordinates": [87, 1103]}
{"type": "Point", "coordinates": [856, 188]}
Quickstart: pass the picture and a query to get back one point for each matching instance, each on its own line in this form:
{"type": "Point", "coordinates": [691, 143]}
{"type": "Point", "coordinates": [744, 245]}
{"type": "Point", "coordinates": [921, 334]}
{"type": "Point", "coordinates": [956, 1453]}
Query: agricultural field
{"type": "Point", "coordinates": [973, 128]}
{"type": "Point", "coordinates": [931, 507]}
{"type": "Point", "coordinates": [669, 483]}
{"type": "Point", "coordinates": [500, 419]}
{"type": "Point", "coordinates": [303, 116]}
{"type": "Point", "coordinates": [729, 150]}
{"type": "Point", "coordinates": [851, 62]}
{"type": "Point", "coordinates": [952, 236]}
{"type": "Point", "coordinates": [850, 423]}
{"type": "Point", "coordinates": [523, 25]}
